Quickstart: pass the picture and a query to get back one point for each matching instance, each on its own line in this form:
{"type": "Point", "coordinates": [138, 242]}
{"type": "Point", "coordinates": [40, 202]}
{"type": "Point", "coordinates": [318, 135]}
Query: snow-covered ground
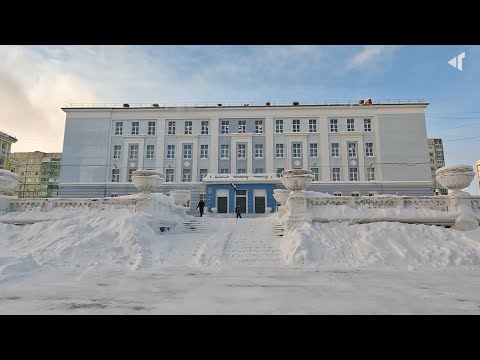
{"type": "Point", "coordinates": [113, 262]}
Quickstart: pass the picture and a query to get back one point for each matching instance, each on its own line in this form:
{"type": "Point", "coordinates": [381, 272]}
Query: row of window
{"type": "Point", "coordinates": [242, 151]}
{"type": "Point", "coordinates": [353, 174]}
{"type": "Point", "coordinates": [135, 128]}
{"type": "Point", "coordinates": [242, 125]}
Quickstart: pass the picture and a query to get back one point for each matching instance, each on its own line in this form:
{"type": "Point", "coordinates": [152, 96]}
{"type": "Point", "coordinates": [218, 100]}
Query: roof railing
{"type": "Point", "coordinates": [243, 104]}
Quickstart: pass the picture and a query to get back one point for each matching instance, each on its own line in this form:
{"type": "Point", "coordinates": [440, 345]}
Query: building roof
{"type": "Point", "coordinates": [323, 103]}
{"type": "Point", "coordinates": [8, 137]}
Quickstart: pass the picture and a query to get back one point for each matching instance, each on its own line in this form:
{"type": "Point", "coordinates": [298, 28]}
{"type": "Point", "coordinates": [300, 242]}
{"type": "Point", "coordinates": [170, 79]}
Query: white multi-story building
{"type": "Point", "coordinates": [437, 161]}
{"type": "Point", "coordinates": [351, 149]}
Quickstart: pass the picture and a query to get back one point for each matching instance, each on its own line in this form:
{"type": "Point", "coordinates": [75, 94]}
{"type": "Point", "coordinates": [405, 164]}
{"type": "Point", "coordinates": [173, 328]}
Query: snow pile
{"type": "Point", "coordinates": [391, 245]}
{"type": "Point", "coordinates": [88, 237]}
{"type": "Point", "coordinates": [315, 194]}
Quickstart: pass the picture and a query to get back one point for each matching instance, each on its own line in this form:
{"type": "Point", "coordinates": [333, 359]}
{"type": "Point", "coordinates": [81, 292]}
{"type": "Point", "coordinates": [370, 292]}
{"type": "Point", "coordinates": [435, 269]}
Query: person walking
{"type": "Point", "coordinates": [201, 206]}
{"type": "Point", "coordinates": [238, 212]}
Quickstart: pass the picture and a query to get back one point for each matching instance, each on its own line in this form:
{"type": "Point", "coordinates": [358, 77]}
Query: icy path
{"type": "Point", "coordinates": [217, 241]}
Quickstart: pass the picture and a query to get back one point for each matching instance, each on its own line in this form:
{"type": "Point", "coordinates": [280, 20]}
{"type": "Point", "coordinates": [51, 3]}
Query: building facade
{"type": "Point", "coordinates": [6, 141]}
{"type": "Point", "coordinates": [437, 160]}
{"type": "Point", "coordinates": [351, 149]}
{"type": "Point", "coordinates": [38, 175]}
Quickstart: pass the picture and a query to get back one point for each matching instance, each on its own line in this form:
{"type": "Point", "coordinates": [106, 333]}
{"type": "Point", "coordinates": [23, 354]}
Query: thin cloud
{"type": "Point", "coordinates": [370, 55]}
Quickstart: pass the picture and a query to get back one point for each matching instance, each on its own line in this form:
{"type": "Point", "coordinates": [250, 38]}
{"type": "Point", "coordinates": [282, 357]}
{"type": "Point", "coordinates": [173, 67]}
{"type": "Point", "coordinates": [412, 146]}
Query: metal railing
{"type": "Point", "coordinates": [242, 104]}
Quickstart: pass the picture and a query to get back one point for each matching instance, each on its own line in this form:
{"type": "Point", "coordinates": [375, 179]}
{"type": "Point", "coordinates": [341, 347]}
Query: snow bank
{"type": "Point", "coordinates": [391, 245]}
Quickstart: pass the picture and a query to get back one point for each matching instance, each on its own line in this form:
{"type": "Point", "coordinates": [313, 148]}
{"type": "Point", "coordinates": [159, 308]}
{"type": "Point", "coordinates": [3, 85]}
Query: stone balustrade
{"type": "Point", "coordinates": [459, 209]}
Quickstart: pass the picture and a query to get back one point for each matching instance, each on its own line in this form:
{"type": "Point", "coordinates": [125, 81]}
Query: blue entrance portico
{"type": "Point", "coordinates": [254, 193]}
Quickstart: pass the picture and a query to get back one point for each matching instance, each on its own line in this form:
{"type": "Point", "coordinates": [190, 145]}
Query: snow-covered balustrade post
{"type": "Point", "coordinates": [456, 178]}
{"type": "Point", "coordinates": [296, 211]}
{"type": "Point", "coordinates": [8, 181]}
{"type": "Point", "coordinates": [281, 196]}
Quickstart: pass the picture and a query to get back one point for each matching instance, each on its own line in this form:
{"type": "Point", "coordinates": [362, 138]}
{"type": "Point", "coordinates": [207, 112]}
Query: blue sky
{"type": "Point", "coordinates": [35, 81]}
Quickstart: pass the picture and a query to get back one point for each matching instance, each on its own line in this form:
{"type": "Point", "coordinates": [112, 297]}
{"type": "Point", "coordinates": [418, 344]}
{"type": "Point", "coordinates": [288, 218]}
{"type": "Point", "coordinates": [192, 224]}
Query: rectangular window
{"type": "Point", "coordinates": [242, 124]}
{"type": "Point", "coordinates": [188, 127]}
{"type": "Point", "coordinates": [151, 128]}
{"type": "Point", "coordinates": [313, 150]}
{"type": "Point", "coordinates": [187, 151]}
{"type": "Point", "coordinates": [258, 127]}
{"type": "Point", "coordinates": [224, 127]}
{"type": "Point", "coordinates": [279, 150]}
{"type": "Point", "coordinates": [170, 175]}
{"type": "Point", "coordinates": [315, 173]}
{"type": "Point", "coordinates": [258, 170]}
{"type": "Point", "coordinates": [224, 152]}
{"type": "Point", "coordinates": [171, 128]}
{"type": "Point", "coordinates": [333, 125]}
{"type": "Point", "coordinates": [119, 128]}
{"type": "Point", "coordinates": [150, 151]}
{"type": "Point", "coordinates": [350, 124]}
{"type": "Point", "coordinates": [203, 173]}
{"type": "Point", "coordinates": [241, 171]}
{"type": "Point", "coordinates": [133, 152]}
{"type": "Point", "coordinates": [170, 151]}
{"type": "Point", "coordinates": [297, 153]}
{"type": "Point", "coordinates": [353, 174]}
{"type": "Point", "coordinates": [335, 149]}
{"type": "Point", "coordinates": [242, 151]}
{"type": "Point", "coordinates": [279, 171]}
{"type": "Point", "coordinates": [130, 172]}
{"type": "Point", "coordinates": [279, 126]}
{"type": "Point", "coordinates": [203, 151]}
{"type": "Point", "coordinates": [135, 127]}
{"type": "Point", "coordinates": [204, 129]}
{"type": "Point", "coordinates": [117, 151]}
{"type": "Point", "coordinates": [352, 149]}
{"type": "Point", "coordinates": [367, 125]}
{"type": "Point", "coordinates": [223, 171]}
{"type": "Point", "coordinates": [115, 175]}
{"type": "Point", "coordinates": [368, 149]}
{"type": "Point", "coordinates": [187, 175]}
{"type": "Point", "coordinates": [258, 151]}
{"type": "Point", "coordinates": [370, 174]}
{"type": "Point", "coordinates": [336, 174]}
{"type": "Point", "coordinates": [296, 125]}
{"type": "Point", "coordinates": [312, 125]}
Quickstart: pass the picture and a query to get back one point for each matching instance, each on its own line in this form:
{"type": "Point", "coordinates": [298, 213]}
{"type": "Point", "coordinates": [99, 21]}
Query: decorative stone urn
{"type": "Point", "coordinates": [147, 181]}
{"type": "Point", "coordinates": [281, 196]}
{"type": "Point", "coordinates": [180, 197]}
{"type": "Point", "coordinates": [8, 181]}
{"type": "Point", "coordinates": [456, 178]}
{"type": "Point", "coordinates": [296, 180]}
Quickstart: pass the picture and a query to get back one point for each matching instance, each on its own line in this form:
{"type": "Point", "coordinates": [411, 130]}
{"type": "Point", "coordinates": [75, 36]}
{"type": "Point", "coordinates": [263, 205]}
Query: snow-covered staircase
{"type": "Point", "coordinates": [255, 242]}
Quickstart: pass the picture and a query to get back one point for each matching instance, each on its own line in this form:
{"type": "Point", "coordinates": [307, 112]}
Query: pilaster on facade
{"type": "Point", "coordinates": [214, 131]}
{"type": "Point", "coordinates": [269, 151]}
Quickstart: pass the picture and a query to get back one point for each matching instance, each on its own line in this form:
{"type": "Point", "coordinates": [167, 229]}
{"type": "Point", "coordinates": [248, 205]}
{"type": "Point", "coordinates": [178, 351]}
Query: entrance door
{"type": "Point", "coordinates": [222, 204]}
{"type": "Point", "coordinates": [259, 204]}
{"type": "Point", "coordinates": [242, 202]}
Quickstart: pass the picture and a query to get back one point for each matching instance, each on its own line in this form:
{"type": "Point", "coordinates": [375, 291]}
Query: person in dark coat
{"type": "Point", "coordinates": [237, 211]}
{"type": "Point", "coordinates": [201, 205]}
